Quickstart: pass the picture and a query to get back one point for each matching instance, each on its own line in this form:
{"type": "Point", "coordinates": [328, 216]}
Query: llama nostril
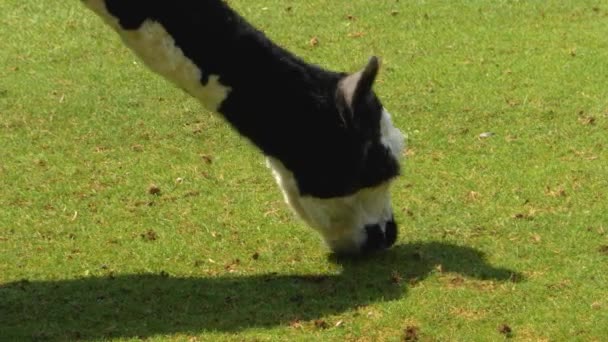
{"type": "Point", "coordinates": [376, 239]}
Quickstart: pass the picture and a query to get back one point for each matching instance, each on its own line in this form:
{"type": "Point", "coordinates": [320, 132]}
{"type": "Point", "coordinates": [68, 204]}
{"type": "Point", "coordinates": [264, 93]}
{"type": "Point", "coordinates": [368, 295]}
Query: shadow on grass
{"type": "Point", "coordinates": [141, 305]}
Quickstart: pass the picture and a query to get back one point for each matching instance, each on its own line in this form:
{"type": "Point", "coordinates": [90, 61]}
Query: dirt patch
{"type": "Point", "coordinates": [321, 324]}
{"type": "Point", "coordinates": [296, 324]}
{"type": "Point", "coordinates": [456, 281]}
{"type": "Point", "coordinates": [149, 235]}
{"type": "Point", "coordinates": [523, 216]}
{"type": "Point", "coordinates": [396, 278]}
{"type": "Point", "coordinates": [411, 334]}
{"type": "Point", "coordinates": [603, 250]}
{"type": "Point", "coordinates": [192, 193]}
{"type": "Point", "coordinates": [358, 34]}
{"type": "Point", "coordinates": [207, 159]}
{"type": "Point", "coordinates": [469, 314]}
{"type": "Point", "coordinates": [153, 189]}
{"type": "Point", "coordinates": [505, 330]}
{"type": "Point", "coordinates": [555, 192]}
{"type": "Point", "coordinates": [584, 119]}
{"type": "Point", "coordinates": [231, 266]}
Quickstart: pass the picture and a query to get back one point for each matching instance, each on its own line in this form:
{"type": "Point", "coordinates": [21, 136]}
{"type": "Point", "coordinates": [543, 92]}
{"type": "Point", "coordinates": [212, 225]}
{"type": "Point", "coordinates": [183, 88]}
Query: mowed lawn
{"type": "Point", "coordinates": [128, 212]}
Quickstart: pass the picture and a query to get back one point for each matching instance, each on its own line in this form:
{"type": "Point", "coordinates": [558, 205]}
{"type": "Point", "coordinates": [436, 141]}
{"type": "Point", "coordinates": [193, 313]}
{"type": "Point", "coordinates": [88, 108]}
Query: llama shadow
{"type": "Point", "coordinates": [142, 305]}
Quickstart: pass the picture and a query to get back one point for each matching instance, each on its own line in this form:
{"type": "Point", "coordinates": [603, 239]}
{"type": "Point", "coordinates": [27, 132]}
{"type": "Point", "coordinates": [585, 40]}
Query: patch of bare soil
{"type": "Point", "coordinates": [411, 334]}
{"type": "Point", "coordinates": [505, 330]}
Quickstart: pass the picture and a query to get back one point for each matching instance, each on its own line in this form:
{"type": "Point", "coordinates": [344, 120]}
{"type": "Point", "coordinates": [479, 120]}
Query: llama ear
{"type": "Point", "coordinates": [353, 88]}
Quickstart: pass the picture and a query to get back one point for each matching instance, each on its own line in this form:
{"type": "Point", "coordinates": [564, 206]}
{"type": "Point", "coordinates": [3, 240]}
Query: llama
{"type": "Point", "coordinates": [329, 142]}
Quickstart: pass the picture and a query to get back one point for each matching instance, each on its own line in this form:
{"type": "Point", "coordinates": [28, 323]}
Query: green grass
{"type": "Point", "coordinates": [507, 230]}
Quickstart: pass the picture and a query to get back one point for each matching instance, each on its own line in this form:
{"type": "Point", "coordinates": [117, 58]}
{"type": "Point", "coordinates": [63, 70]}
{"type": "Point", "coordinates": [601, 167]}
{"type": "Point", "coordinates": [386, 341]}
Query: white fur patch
{"type": "Point", "coordinates": [155, 46]}
{"type": "Point", "coordinates": [340, 220]}
{"type": "Point", "coordinates": [391, 137]}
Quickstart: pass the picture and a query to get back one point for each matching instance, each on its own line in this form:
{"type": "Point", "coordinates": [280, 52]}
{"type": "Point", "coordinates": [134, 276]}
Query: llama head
{"type": "Point", "coordinates": [357, 217]}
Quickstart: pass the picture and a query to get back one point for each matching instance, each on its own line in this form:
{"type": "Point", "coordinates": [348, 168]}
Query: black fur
{"type": "Point", "coordinates": [292, 110]}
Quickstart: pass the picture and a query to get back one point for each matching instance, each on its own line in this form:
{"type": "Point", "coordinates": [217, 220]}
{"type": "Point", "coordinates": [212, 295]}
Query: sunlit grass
{"type": "Point", "coordinates": [505, 231]}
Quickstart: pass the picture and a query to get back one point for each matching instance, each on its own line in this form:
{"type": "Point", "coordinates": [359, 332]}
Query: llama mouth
{"type": "Point", "coordinates": [378, 237]}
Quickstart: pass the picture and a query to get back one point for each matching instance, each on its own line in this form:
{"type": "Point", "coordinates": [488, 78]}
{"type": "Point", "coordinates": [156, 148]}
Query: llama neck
{"type": "Point", "coordinates": [212, 53]}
